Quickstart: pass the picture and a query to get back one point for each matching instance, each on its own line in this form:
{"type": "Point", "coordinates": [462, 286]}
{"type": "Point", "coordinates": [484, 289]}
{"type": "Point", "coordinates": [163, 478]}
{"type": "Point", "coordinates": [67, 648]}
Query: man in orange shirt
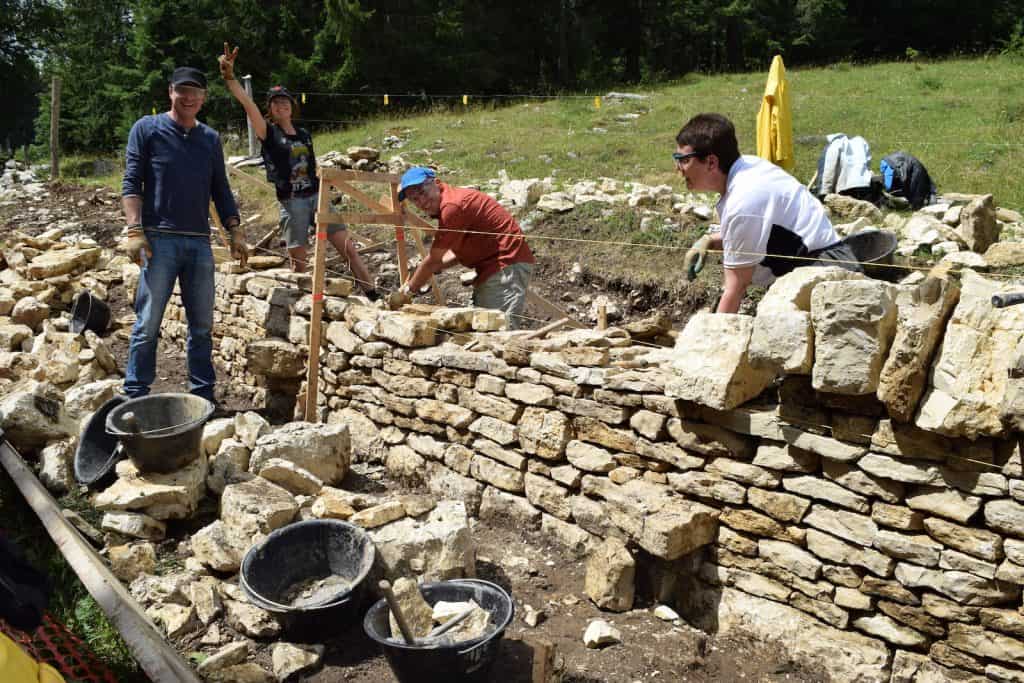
{"type": "Point", "coordinates": [476, 232]}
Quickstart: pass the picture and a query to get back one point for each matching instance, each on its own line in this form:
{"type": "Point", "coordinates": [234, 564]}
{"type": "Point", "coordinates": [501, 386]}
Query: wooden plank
{"type": "Point", "coordinates": [353, 218]}
{"type": "Point", "coordinates": [550, 309]}
{"type": "Point", "coordinates": [547, 329]}
{"type": "Point", "coordinates": [149, 648]}
{"type": "Point", "coordinates": [316, 315]}
{"type": "Point", "coordinates": [220, 227]}
{"type": "Point", "coordinates": [331, 174]}
{"type": "Point", "coordinates": [238, 173]}
{"type": "Point", "coordinates": [360, 196]}
{"type": "Point", "coordinates": [391, 200]}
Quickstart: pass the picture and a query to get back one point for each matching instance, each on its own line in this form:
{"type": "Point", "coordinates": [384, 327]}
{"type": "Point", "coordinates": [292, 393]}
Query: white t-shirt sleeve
{"type": "Point", "coordinates": [743, 241]}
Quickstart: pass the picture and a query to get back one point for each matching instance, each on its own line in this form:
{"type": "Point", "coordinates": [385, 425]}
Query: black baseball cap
{"type": "Point", "coordinates": [279, 91]}
{"type": "Point", "coordinates": [186, 75]}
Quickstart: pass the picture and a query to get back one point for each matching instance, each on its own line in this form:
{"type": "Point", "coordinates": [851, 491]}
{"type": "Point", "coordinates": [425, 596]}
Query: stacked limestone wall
{"type": "Point", "coordinates": [761, 485]}
{"type": "Point", "coordinates": [251, 321]}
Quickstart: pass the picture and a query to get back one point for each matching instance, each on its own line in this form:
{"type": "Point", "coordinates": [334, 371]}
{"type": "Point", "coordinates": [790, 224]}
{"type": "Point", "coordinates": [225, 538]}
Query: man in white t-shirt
{"type": "Point", "coordinates": [767, 216]}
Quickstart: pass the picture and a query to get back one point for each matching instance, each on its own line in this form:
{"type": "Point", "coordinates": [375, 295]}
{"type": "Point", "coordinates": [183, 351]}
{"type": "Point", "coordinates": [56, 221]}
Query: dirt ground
{"type": "Point", "coordinates": [544, 576]}
{"type": "Point", "coordinates": [534, 571]}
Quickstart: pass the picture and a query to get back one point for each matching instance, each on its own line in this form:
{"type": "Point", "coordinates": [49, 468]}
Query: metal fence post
{"type": "Point", "coordinates": [247, 84]}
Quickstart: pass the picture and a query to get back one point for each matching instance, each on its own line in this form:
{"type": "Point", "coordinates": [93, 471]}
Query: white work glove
{"type": "Point", "coordinates": [694, 260]}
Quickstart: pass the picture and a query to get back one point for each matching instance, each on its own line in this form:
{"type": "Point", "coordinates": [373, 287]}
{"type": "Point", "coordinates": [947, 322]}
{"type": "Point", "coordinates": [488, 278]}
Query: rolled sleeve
{"type": "Point", "coordinates": [134, 161]}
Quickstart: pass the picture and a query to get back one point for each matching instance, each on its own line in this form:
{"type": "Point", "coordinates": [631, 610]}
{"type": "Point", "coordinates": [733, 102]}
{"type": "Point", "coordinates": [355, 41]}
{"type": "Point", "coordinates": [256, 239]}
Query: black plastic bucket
{"type": "Point", "coordinates": [89, 313]}
{"type": "Point", "coordinates": [170, 430]}
{"type": "Point", "coordinates": [304, 551]}
{"type": "Point", "coordinates": [874, 250]}
{"type": "Point", "coordinates": [97, 451]}
{"type": "Point", "coordinates": [469, 660]}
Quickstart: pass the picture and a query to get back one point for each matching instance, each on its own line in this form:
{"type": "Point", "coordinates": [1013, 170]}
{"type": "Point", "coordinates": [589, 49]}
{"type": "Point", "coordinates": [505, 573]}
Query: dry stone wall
{"type": "Point", "coordinates": [867, 509]}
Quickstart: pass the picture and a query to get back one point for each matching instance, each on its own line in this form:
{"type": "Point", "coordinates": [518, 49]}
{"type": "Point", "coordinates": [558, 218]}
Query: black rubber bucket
{"type": "Point", "coordinates": [303, 552]}
{"type": "Point", "coordinates": [170, 430]}
{"type": "Point", "coordinates": [89, 313]}
{"type": "Point", "coordinates": [874, 250]}
{"type": "Point", "coordinates": [469, 660]}
{"type": "Point", "coordinates": [97, 451]}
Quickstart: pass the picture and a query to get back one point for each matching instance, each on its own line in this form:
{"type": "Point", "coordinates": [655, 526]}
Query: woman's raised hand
{"type": "Point", "coordinates": [226, 62]}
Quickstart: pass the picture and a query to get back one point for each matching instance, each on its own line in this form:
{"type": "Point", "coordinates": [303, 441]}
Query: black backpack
{"type": "Point", "coordinates": [905, 176]}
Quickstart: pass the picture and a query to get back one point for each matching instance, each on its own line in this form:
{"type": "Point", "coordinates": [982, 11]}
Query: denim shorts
{"type": "Point", "coordinates": [298, 215]}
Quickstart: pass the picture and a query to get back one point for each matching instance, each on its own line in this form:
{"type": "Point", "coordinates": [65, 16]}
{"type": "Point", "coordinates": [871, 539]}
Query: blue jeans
{"type": "Point", "coordinates": [189, 260]}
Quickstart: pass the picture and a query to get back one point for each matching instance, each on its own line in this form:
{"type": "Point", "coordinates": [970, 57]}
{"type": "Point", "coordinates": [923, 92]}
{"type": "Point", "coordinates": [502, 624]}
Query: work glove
{"type": "Point", "coordinates": [226, 62]}
{"type": "Point", "coordinates": [133, 243]}
{"type": "Point", "coordinates": [239, 249]}
{"type": "Point", "coordinates": [694, 261]}
{"type": "Point", "coordinates": [399, 298]}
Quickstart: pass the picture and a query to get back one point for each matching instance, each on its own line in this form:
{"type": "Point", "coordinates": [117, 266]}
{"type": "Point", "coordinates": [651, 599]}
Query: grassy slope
{"type": "Point", "coordinates": [963, 118]}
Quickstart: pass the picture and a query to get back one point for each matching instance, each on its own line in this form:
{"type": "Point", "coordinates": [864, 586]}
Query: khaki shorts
{"type": "Point", "coordinates": [506, 290]}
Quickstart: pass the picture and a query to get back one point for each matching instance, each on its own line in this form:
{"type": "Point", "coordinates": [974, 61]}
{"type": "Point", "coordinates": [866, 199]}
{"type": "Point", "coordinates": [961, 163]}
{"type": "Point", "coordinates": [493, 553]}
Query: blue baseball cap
{"type": "Point", "coordinates": [414, 176]}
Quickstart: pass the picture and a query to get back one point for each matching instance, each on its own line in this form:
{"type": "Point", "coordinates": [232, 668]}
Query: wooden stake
{"type": "Point", "coordinates": [320, 256]}
{"type": "Point", "coordinates": [602, 317]}
{"type": "Point", "coordinates": [403, 257]}
{"type": "Point", "coordinates": [396, 611]}
{"type": "Point", "coordinates": [54, 128]}
{"type": "Point", "coordinates": [220, 227]}
{"type": "Point", "coordinates": [550, 327]}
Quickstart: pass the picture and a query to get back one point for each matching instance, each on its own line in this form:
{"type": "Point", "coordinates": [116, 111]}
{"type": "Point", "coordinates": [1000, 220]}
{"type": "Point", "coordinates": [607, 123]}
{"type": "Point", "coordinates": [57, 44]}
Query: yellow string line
{"type": "Point", "coordinates": [668, 247]}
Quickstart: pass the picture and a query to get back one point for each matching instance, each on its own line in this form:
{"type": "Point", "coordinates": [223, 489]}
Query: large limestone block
{"type": "Point", "coordinates": [171, 495]}
{"type": "Point", "coordinates": [275, 358]}
{"type": "Point", "coordinates": [321, 449]}
{"type": "Point", "coordinates": [610, 576]}
{"type": "Point", "coordinates": [792, 291]}
{"type": "Point", "coordinates": [845, 655]}
{"type": "Point", "coordinates": [364, 434]}
{"type": "Point", "coordinates": [979, 641]}
{"type": "Point", "coordinates": [251, 509]}
{"type": "Point", "coordinates": [544, 433]}
{"type": "Point", "coordinates": [436, 547]}
{"type": "Point", "coordinates": [217, 549]}
{"type": "Point", "coordinates": [406, 330]}
{"type": "Point", "coordinates": [968, 381]}
{"type": "Point", "coordinates": [32, 414]}
{"type": "Point", "coordinates": [854, 322]}
{"type": "Point", "coordinates": [54, 263]}
{"type": "Point", "coordinates": [783, 341]}
{"type": "Point", "coordinates": [712, 364]}
{"type": "Point", "coordinates": [920, 323]}
{"type": "Point", "coordinates": [978, 225]}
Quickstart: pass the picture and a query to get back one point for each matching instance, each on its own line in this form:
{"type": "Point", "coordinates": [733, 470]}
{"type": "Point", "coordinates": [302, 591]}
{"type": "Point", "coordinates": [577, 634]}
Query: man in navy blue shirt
{"type": "Point", "coordinates": [173, 166]}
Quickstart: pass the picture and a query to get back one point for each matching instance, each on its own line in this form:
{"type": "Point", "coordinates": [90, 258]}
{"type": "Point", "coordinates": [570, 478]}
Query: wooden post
{"type": "Point", "coordinates": [403, 257]}
{"type": "Point", "coordinates": [55, 128]}
{"type": "Point", "coordinates": [220, 227]}
{"type": "Point", "coordinates": [602, 316]}
{"type": "Point", "coordinates": [315, 316]}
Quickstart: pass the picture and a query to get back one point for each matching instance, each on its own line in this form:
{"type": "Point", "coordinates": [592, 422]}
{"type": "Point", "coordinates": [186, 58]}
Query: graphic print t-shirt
{"type": "Point", "coordinates": [290, 162]}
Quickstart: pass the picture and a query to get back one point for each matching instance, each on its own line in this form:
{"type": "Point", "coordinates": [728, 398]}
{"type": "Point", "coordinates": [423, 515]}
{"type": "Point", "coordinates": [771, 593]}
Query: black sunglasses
{"type": "Point", "coordinates": [681, 158]}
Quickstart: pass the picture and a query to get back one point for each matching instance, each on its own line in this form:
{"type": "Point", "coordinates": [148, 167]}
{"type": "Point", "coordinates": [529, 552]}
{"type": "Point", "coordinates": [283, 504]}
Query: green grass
{"type": "Point", "coordinates": [964, 118]}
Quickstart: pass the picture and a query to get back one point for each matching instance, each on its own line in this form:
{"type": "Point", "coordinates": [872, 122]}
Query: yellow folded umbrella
{"type": "Point", "coordinates": [775, 119]}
